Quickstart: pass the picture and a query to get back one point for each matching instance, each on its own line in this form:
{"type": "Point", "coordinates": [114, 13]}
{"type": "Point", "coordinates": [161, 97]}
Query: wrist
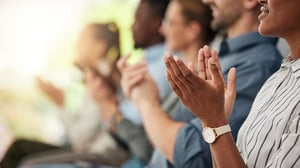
{"type": "Point", "coordinates": [145, 105]}
{"type": "Point", "coordinates": [114, 121]}
{"type": "Point", "coordinates": [215, 123]}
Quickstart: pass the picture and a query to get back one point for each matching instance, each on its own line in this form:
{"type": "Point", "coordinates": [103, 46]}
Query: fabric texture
{"type": "Point", "coordinates": [270, 137]}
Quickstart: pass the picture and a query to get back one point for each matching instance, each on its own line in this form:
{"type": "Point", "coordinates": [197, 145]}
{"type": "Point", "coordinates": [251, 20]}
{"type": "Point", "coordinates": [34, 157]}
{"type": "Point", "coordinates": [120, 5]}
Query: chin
{"type": "Point", "coordinates": [268, 30]}
{"type": "Point", "coordinates": [265, 31]}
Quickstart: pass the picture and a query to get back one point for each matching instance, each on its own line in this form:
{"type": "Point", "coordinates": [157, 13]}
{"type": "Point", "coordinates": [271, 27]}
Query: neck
{"type": "Point", "coordinates": [191, 52]}
{"type": "Point", "coordinates": [294, 42]}
{"type": "Point", "coordinates": [155, 40]}
{"type": "Point", "coordinates": [247, 23]}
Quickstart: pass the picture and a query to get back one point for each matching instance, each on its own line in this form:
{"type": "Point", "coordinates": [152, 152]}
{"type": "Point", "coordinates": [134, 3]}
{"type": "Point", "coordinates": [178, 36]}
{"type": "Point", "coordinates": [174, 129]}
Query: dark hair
{"type": "Point", "coordinates": [195, 10]}
{"type": "Point", "coordinates": [159, 7]}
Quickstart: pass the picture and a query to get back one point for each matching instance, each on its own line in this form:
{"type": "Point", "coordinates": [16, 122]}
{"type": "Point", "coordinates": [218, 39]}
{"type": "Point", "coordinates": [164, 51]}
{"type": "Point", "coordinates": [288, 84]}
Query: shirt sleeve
{"type": "Point", "coordinates": [136, 139]}
{"type": "Point", "coordinates": [190, 148]}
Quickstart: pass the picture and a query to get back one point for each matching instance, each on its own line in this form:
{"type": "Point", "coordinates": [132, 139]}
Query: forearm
{"type": "Point", "coordinates": [225, 153]}
{"type": "Point", "coordinates": [161, 129]}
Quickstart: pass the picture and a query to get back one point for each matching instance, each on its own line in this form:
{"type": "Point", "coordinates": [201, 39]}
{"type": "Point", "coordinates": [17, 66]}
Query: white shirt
{"type": "Point", "coordinates": [270, 136]}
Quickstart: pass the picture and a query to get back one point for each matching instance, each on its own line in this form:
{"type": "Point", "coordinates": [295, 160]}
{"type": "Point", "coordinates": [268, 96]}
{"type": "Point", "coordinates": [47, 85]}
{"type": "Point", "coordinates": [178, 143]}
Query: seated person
{"type": "Point", "coordinates": [269, 137]}
{"type": "Point", "coordinates": [98, 53]}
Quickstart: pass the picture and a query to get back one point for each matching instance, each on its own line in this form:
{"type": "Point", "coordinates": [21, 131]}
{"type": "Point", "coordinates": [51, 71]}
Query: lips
{"type": "Point", "coordinates": [264, 12]}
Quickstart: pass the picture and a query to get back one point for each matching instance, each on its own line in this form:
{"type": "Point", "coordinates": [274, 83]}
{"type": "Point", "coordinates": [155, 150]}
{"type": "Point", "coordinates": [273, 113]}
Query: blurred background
{"type": "Point", "coordinates": [38, 38]}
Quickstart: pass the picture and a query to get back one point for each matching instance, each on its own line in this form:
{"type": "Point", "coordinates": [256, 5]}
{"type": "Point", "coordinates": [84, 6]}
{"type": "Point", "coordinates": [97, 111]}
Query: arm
{"type": "Point", "coordinates": [161, 129]}
{"type": "Point", "coordinates": [133, 135]}
{"type": "Point", "coordinates": [55, 94]}
{"type": "Point", "coordinates": [142, 90]}
{"type": "Point", "coordinates": [207, 101]}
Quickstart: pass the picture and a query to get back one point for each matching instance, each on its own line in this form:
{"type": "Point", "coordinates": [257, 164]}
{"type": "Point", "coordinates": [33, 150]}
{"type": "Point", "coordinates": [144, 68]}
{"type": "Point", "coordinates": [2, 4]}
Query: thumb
{"type": "Point", "coordinates": [214, 72]}
{"type": "Point", "coordinates": [231, 81]}
{"type": "Point", "coordinates": [122, 63]}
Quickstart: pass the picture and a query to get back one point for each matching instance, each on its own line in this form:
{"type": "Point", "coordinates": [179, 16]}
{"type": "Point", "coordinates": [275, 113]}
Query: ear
{"type": "Point", "coordinates": [194, 30]}
{"type": "Point", "coordinates": [250, 4]}
{"type": "Point", "coordinates": [157, 22]}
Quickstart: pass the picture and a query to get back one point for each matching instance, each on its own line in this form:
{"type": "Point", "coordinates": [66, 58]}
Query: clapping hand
{"type": "Point", "coordinates": [205, 93]}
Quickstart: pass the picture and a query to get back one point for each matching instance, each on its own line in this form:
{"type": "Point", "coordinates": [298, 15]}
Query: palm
{"type": "Point", "coordinates": [205, 94]}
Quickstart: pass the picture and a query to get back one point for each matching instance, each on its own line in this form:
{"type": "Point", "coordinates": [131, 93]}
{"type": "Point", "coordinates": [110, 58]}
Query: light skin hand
{"type": "Point", "coordinates": [144, 94]}
{"type": "Point", "coordinates": [132, 75]}
{"type": "Point", "coordinates": [204, 94]}
{"type": "Point", "coordinates": [55, 94]}
{"type": "Point", "coordinates": [106, 99]}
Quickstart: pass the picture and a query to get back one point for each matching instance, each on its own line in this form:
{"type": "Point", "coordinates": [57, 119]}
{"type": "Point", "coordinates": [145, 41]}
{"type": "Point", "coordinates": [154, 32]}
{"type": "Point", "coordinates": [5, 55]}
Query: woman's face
{"type": "Point", "coordinates": [175, 27]}
{"type": "Point", "coordinates": [279, 17]}
{"type": "Point", "coordinates": [93, 58]}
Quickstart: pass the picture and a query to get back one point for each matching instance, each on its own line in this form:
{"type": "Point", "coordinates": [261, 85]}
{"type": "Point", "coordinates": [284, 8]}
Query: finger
{"type": "Point", "coordinates": [191, 67]}
{"type": "Point", "coordinates": [122, 62]}
{"type": "Point", "coordinates": [167, 62]}
{"type": "Point", "coordinates": [207, 55]}
{"type": "Point", "coordinates": [173, 85]}
{"type": "Point", "coordinates": [216, 60]}
{"type": "Point", "coordinates": [231, 81]}
{"type": "Point", "coordinates": [174, 71]}
{"type": "Point", "coordinates": [135, 70]}
{"type": "Point", "coordinates": [201, 65]}
{"type": "Point", "coordinates": [135, 67]}
{"type": "Point", "coordinates": [187, 74]}
{"type": "Point", "coordinates": [214, 72]}
{"type": "Point", "coordinates": [135, 81]}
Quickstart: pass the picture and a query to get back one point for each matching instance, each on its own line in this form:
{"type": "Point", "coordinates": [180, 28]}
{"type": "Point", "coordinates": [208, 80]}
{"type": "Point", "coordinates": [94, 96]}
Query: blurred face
{"type": "Point", "coordinates": [93, 55]}
{"type": "Point", "coordinates": [143, 27]}
{"type": "Point", "coordinates": [225, 13]}
{"type": "Point", "coordinates": [279, 17]}
{"type": "Point", "coordinates": [175, 28]}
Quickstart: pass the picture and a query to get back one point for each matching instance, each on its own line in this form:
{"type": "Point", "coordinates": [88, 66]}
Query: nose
{"type": "Point", "coordinates": [207, 1]}
{"type": "Point", "coordinates": [262, 2]}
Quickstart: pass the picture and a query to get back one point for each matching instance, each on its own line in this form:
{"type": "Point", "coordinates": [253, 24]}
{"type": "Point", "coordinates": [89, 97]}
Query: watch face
{"type": "Point", "coordinates": [209, 135]}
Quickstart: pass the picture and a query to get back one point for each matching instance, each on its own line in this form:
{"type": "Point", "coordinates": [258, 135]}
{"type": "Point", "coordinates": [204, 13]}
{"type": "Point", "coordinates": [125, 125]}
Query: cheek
{"type": "Point", "coordinates": [175, 39]}
{"type": "Point", "coordinates": [273, 24]}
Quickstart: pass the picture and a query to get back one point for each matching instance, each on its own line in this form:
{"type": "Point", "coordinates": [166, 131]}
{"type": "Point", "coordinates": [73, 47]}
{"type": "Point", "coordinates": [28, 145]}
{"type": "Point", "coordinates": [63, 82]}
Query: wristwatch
{"type": "Point", "coordinates": [210, 135]}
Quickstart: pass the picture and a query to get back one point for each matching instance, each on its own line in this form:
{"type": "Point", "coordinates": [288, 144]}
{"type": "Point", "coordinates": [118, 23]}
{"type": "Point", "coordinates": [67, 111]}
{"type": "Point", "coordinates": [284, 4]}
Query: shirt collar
{"type": "Point", "coordinates": [293, 64]}
{"type": "Point", "coordinates": [154, 51]}
{"type": "Point", "coordinates": [244, 41]}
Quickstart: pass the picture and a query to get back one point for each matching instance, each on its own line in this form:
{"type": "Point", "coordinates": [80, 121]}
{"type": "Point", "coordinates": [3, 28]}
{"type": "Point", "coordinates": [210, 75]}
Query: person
{"type": "Point", "coordinates": [255, 58]}
{"type": "Point", "coordinates": [98, 50]}
{"type": "Point", "coordinates": [269, 136]}
{"type": "Point", "coordinates": [126, 124]}
{"type": "Point", "coordinates": [186, 28]}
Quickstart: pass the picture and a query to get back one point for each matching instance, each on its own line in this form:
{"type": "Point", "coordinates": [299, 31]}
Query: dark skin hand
{"type": "Point", "coordinates": [207, 96]}
{"type": "Point", "coordinates": [208, 84]}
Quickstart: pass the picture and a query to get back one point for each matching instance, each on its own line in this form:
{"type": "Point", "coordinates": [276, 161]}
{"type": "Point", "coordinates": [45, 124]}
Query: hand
{"type": "Point", "coordinates": [55, 94]}
{"type": "Point", "coordinates": [203, 94]}
{"type": "Point", "coordinates": [98, 87]}
{"type": "Point", "coordinates": [132, 75]}
{"type": "Point", "coordinates": [230, 94]}
{"type": "Point", "coordinates": [146, 93]}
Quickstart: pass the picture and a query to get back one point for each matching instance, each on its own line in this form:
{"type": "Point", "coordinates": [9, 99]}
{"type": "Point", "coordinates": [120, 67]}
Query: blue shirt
{"type": "Point", "coordinates": [156, 68]}
{"type": "Point", "coordinates": [255, 58]}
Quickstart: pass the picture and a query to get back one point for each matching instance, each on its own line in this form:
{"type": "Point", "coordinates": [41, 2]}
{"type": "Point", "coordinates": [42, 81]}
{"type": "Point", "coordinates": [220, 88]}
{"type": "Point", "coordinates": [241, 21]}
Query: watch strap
{"type": "Point", "coordinates": [222, 130]}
